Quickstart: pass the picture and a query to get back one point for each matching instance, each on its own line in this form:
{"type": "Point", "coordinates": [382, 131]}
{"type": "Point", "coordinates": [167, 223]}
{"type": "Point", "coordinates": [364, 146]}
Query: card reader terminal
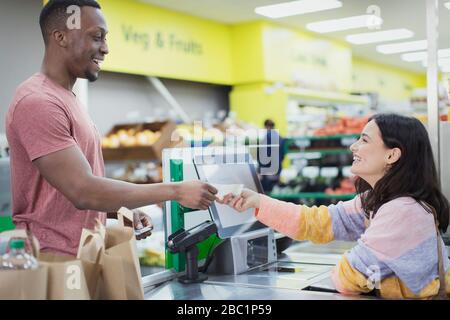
{"type": "Point", "coordinates": [186, 241]}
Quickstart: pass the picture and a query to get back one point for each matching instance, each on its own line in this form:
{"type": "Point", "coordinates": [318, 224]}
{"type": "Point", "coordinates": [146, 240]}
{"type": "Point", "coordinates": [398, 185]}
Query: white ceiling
{"type": "Point", "coordinates": [410, 14]}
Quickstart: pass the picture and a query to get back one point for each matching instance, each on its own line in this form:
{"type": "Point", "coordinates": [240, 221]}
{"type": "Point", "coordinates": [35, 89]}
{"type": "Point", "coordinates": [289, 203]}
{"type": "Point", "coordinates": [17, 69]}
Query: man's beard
{"type": "Point", "coordinates": [91, 77]}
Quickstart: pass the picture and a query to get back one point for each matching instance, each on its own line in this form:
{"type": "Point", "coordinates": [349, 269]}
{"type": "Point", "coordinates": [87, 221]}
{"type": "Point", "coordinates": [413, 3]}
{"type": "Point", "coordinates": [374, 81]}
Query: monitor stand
{"type": "Point", "coordinates": [241, 253]}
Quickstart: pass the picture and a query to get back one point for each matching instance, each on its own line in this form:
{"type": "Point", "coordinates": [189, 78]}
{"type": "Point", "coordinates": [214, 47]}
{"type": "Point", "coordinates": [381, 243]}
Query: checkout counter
{"type": "Point", "coordinates": [302, 272]}
{"type": "Point", "coordinates": [246, 264]}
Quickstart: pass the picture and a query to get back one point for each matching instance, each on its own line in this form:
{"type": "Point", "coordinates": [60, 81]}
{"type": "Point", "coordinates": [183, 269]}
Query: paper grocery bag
{"type": "Point", "coordinates": [23, 284]}
{"type": "Point", "coordinates": [70, 278]}
{"type": "Point", "coordinates": [121, 271]}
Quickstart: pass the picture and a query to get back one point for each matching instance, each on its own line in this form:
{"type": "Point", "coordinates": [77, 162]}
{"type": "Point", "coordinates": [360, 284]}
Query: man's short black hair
{"type": "Point", "coordinates": [269, 123]}
{"type": "Point", "coordinates": [54, 14]}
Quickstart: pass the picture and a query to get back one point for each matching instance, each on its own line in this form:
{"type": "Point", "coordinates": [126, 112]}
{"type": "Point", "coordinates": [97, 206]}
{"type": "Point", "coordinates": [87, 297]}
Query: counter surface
{"type": "Point", "coordinates": [303, 267]}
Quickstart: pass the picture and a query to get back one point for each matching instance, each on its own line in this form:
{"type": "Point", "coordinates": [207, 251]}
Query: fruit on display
{"type": "Point", "coordinates": [193, 132]}
{"type": "Point", "coordinates": [130, 138]}
{"type": "Point", "coordinates": [342, 125]}
{"type": "Point", "coordinates": [346, 186]}
{"type": "Point", "coordinates": [235, 131]}
{"type": "Point", "coordinates": [139, 172]}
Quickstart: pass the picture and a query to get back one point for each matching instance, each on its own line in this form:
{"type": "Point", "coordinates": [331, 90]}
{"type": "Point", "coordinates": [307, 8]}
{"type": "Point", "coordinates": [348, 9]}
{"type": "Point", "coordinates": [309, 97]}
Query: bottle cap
{"type": "Point", "coordinates": [17, 244]}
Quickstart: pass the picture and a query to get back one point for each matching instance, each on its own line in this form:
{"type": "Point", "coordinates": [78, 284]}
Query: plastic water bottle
{"type": "Point", "coordinates": [17, 258]}
{"type": "Point", "coordinates": [3, 246]}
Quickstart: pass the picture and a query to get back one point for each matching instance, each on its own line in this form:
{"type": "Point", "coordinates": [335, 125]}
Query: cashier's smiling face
{"type": "Point", "coordinates": [87, 46]}
{"type": "Point", "coordinates": [371, 157]}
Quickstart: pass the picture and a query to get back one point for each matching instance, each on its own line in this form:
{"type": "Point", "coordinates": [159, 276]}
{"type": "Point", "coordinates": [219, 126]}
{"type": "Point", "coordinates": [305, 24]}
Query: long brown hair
{"type": "Point", "coordinates": [413, 175]}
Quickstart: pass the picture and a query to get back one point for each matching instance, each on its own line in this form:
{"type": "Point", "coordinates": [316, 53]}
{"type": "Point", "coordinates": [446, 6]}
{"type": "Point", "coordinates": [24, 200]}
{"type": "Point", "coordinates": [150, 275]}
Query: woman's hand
{"type": "Point", "coordinates": [246, 200]}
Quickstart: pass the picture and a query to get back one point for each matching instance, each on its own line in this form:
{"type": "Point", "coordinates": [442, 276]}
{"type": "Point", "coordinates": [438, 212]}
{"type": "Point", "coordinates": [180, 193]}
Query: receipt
{"type": "Point", "coordinates": [224, 189]}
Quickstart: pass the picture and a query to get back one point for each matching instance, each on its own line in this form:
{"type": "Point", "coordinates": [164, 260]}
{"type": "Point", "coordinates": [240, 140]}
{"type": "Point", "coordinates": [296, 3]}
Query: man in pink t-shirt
{"type": "Point", "coordinates": [57, 170]}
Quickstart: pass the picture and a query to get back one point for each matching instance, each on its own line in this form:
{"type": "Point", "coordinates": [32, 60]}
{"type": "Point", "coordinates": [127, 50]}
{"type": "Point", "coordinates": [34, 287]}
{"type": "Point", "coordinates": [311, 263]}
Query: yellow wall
{"type": "Point", "coordinates": [247, 52]}
{"type": "Point", "coordinates": [392, 84]}
{"type": "Point", "coordinates": [254, 105]}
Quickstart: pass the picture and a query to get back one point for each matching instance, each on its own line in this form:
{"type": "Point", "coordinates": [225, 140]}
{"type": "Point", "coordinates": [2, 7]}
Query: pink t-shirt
{"type": "Point", "coordinates": [44, 118]}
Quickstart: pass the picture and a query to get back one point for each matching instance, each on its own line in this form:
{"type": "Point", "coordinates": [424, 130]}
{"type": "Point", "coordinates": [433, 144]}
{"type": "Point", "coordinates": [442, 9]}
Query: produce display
{"type": "Point", "coordinates": [130, 138]}
{"type": "Point", "coordinates": [319, 184]}
{"type": "Point", "coordinates": [227, 132]}
{"type": "Point", "coordinates": [197, 133]}
{"type": "Point", "coordinates": [342, 125]}
{"type": "Point", "coordinates": [138, 172]}
{"type": "Point", "coordinates": [346, 186]}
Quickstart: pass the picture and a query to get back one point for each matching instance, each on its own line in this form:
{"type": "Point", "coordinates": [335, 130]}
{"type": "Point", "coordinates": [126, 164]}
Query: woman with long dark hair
{"type": "Point", "coordinates": [396, 218]}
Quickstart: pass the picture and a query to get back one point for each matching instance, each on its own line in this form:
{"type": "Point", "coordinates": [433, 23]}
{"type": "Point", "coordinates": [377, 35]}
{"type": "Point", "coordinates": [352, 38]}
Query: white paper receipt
{"type": "Point", "coordinates": [224, 189]}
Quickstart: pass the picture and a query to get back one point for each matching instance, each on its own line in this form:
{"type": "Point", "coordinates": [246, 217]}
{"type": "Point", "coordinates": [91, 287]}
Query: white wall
{"type": "Point", "coordinates": [21, 47]}
{"type": "Point", "coordinates": [121, 98]}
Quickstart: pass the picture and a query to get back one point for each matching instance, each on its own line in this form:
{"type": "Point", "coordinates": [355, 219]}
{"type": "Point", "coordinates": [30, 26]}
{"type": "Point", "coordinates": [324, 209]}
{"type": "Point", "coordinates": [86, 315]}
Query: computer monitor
{"type": "Point", "coordinates": [237, 169]}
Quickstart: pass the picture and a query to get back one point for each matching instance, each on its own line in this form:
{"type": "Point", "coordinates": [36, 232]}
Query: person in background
{"type": "Point", "coordinates": [396, 218]}
{"type": "Point", "coordinates": [57, 169]}
{"type": "Point", "coordinates": [274, 153]}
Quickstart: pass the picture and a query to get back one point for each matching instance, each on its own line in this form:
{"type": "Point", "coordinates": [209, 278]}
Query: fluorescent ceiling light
{"type": "Point", "coordinates": [422, 55]}
{"type": "Point", "coordinates": [447, 5]}
{"type": "Point", "coordinates": [379, 36]}
{"type": "Point", "coordinates": [293, 8]}
{"type": "Point", "coordinates": [366, 20]}
{"type": "Point", "coordinates": [402, 47]}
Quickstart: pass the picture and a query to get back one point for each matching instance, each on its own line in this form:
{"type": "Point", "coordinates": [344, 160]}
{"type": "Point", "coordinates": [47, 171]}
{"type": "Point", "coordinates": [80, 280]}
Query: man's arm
{"type": "Point", "coordinates": [69, 172]}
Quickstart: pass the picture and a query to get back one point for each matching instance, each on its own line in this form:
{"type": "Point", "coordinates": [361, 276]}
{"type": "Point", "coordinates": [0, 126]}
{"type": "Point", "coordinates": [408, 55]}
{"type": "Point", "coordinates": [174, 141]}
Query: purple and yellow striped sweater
{"type": "Point", "coordinates": [399, 246]}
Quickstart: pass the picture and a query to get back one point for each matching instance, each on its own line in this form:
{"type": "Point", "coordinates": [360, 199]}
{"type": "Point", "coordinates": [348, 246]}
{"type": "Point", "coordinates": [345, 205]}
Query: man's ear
{"type": "Point", "coordinates": [60, 38]}
{"type": "Point", "coordinates": [393, 155]}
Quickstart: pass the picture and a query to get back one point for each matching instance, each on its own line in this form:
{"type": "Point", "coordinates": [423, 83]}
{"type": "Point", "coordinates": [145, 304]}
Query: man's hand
{"type": "Point", "coordinates": [141, 220]}
{"type": "Point", "coordinates": [196, 194]}
{"type": "Point", "coordinates": [246, 200]}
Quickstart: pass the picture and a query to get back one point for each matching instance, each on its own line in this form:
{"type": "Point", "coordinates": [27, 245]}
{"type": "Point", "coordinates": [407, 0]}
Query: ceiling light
{"type": "Point", "coordinates": [447, 5]}
{"type": "Point", "coordinates": [402, 47]}
{"type": "Point", "coordinates": [379, 36]}
{"type": "Point", "coordinates": [293, 8]}
{"type": "Point", "coordinates": [422, 55]}
{"type": "Point", "coordinates": [366, 20]}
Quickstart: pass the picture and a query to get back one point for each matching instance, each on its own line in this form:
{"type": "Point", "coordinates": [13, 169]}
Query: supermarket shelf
{"type": "Point", "coordinates": [322, 151]}
{"type": "Point", "coordinates": [328, 96]}
{"type": "Point", "coordinates": [312, 195]}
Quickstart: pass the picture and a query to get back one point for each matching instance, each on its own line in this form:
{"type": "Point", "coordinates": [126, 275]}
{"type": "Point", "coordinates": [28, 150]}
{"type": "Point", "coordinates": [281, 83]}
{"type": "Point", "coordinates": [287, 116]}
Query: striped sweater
{"type": "Point", "coordinates": [396, 253]}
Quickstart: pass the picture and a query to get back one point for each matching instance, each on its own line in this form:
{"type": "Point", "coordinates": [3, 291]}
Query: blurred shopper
{"type": "Point", "coordinates": [270, 156]}
{"type": "Point", "coordinates": [57, 169]}
{"type": "Point", "coordinates": [396, 217]}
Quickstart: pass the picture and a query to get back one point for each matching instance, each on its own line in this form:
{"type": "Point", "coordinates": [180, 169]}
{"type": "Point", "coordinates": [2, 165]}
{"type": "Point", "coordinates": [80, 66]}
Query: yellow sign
{"type": "Point", "coordinates": [305, 60]}
{"type": "Point", "coordinates": [147, 40]}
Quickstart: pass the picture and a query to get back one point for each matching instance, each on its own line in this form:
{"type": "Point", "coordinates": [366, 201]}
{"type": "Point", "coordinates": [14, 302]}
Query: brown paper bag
{"type": "Point", "coordinates": [121, 271]}
{"type": "Point", "coordinates": [24, 284]}
{"type": "Point", "coordinates": [71, 278]}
